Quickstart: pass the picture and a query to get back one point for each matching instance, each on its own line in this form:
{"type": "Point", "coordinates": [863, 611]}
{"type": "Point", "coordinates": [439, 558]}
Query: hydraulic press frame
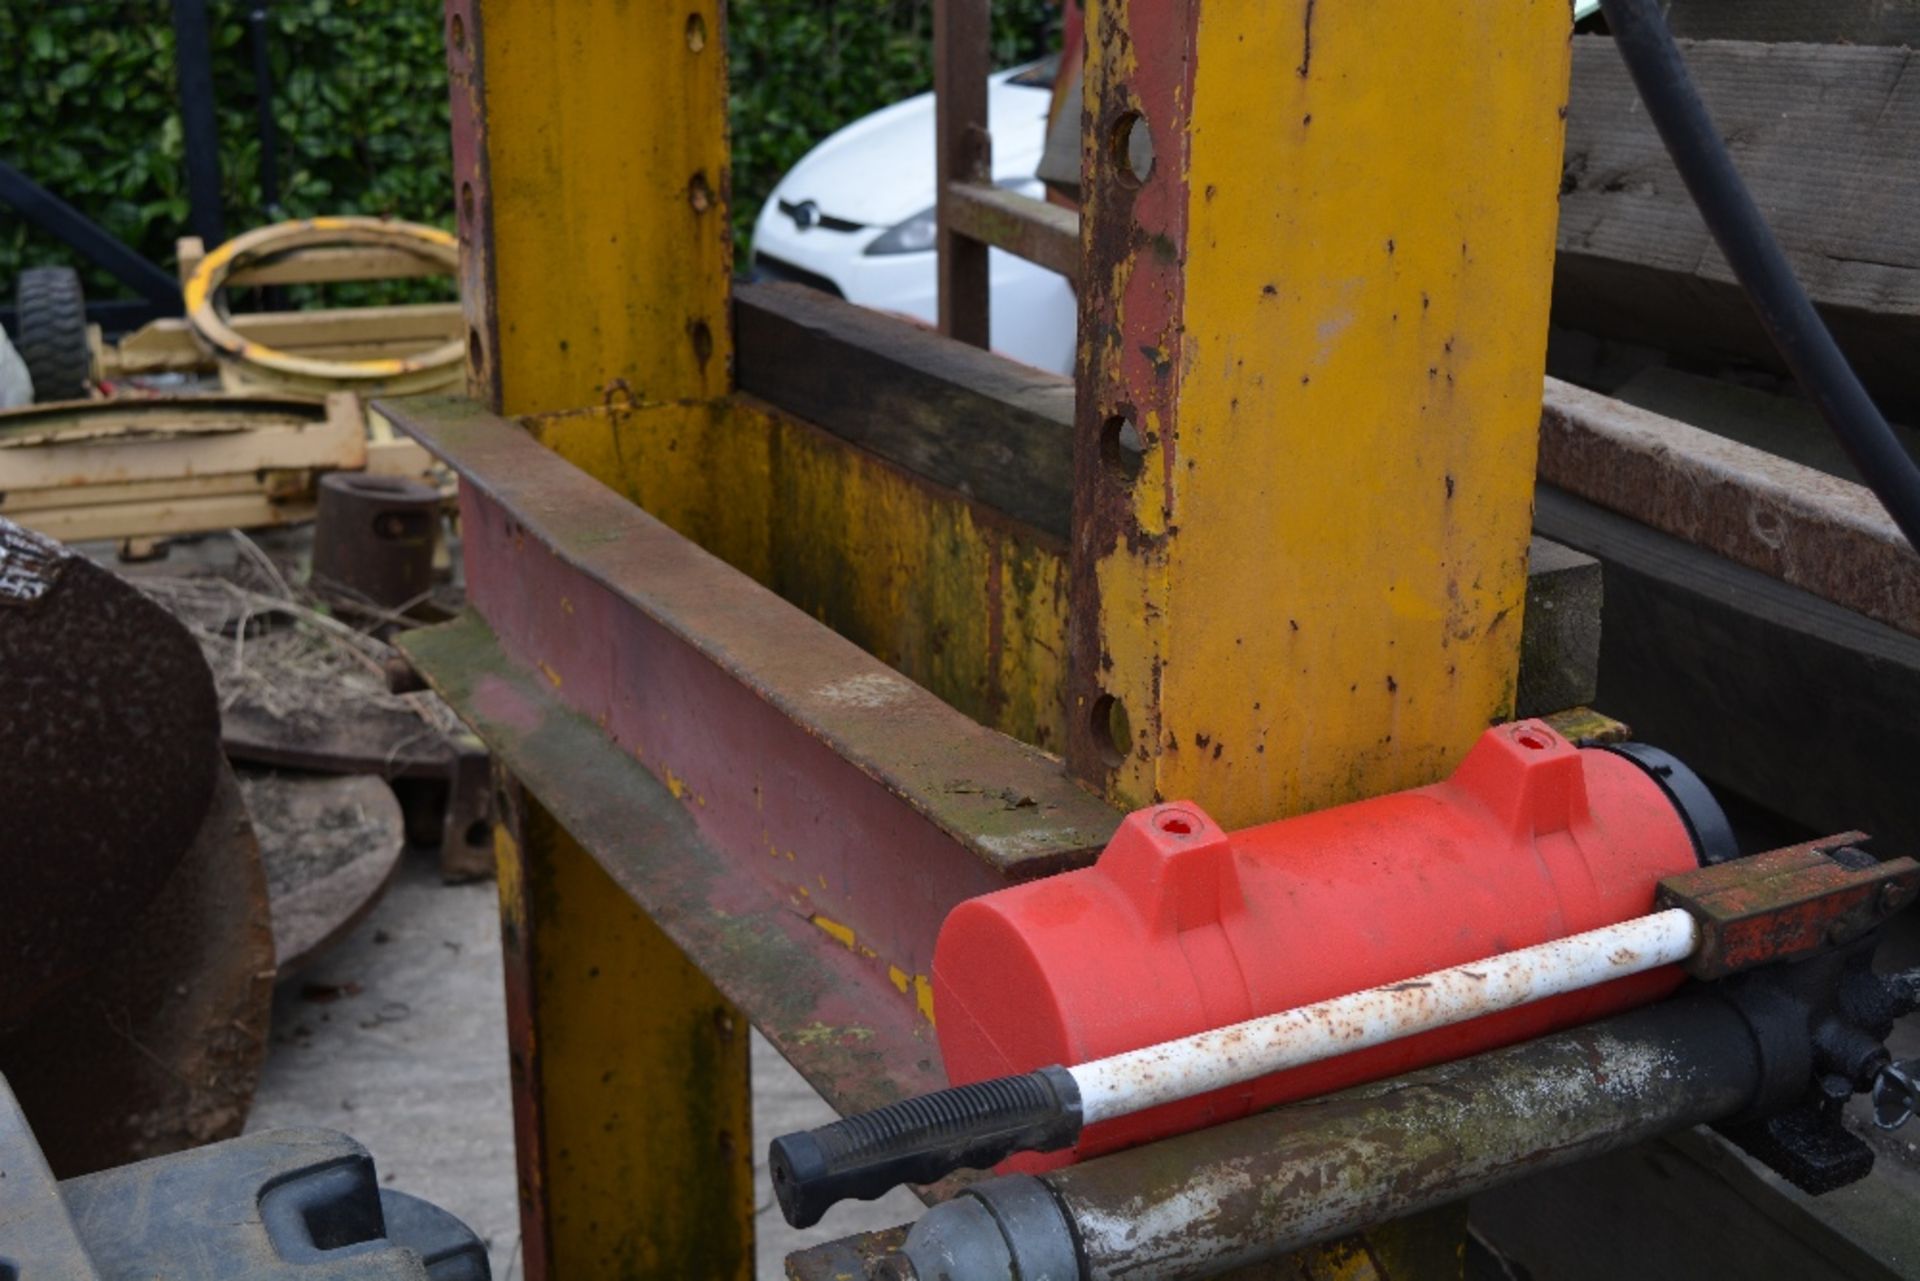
{"type": "Point", "coordinates": [780, 611]}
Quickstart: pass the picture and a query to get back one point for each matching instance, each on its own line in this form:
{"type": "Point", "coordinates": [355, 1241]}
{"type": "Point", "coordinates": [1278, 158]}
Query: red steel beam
{"type": "Point", "coordinates": [863, 802]}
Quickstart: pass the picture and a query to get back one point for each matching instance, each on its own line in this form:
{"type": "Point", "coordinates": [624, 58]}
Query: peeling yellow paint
{"type": "Point", "coordinates": [546, 670]}
{"type": "Point", "coordinates": [923, 996]}
{"type": "Point", "coordinates": [675, 783]}
{"type": "Point", "coordinates": [833, 929]}
{"type": "Point", "coordinates": [898, 977]}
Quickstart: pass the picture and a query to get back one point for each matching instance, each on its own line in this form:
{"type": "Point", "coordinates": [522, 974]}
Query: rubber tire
{"type": "Point", "coordinates": [52, 337]}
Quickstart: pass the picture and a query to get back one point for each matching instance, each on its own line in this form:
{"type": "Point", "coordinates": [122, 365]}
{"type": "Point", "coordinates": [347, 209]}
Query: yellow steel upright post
{"type": "Point", "coordinates": [590, 169]}
{"type": "Point", "coordinates": [1319, 241]}
{"type": "Point", "coordinates": [1317, 253]}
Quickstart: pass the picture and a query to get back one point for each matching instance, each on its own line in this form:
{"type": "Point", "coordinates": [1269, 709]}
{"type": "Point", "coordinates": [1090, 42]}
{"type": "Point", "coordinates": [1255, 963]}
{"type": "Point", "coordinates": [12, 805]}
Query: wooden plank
{"type": "Point", "coordinates": [1829, 139]}
{"type": "Point", "coordinates": [165, 517]}
{"type": "Point", "coordinates": [39, 500]}
{"type": "Point", "coordinates": [1868, 22]}
{"type": "Point", "coordinates": [1788, 700]}
{"type": "Point", "coordinates": [998, 432]}
{"type": "Point", "coordinates": [210, 450]}
{"type": "Point", "coordinates": [1033, 229]}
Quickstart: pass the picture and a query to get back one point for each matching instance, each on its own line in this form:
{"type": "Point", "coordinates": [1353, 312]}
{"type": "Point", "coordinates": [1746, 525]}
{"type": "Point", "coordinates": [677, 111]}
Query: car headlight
{"type": "Point", "coordinates": [916, 235]}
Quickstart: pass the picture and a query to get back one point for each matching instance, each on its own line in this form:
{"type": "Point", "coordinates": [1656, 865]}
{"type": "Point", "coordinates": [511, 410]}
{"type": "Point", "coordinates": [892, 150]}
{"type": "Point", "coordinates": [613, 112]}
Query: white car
{"type": "Point", "coordinates": [855, 218]}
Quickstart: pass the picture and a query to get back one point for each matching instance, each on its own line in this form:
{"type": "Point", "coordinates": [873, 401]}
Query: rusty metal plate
{"type": "Point", "coordinates": [109, 743]}
{"type": "Point", "coordinates": [159, 1046]}
{"type": "Point", "coordinates": [861, 800]}
{"type": "Point", "coordinates": [1787, 903]}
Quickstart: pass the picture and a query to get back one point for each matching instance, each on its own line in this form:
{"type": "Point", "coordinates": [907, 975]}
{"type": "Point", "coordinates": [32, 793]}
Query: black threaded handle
{"type": "Point", "coordinates": [922, 1139]}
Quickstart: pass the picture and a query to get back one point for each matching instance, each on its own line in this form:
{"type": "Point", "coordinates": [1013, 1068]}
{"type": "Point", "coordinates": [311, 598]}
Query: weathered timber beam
{"type": "Point", "coordinates": [866, 802]}
{"type": "Point", "coordinates": [996, 431]}
{"type": "Point", "coordinates": [1042, 233]}
{"type": "Point", "coordinates": [1842, 22]}
{"type": "Point", "coordinates": [1824, 135]}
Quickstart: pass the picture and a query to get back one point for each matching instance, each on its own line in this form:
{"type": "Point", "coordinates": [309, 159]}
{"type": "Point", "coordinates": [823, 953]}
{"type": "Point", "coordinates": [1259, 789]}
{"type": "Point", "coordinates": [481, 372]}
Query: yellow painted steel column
{"type": "Point", "coordinates": [591, 175]}
{"type": "Point", "coordinates": [632, 1115]}
{"type": "Point", "coordinates": [1319, 242]}
{"type": "Point", "coordinates": [591, 182]}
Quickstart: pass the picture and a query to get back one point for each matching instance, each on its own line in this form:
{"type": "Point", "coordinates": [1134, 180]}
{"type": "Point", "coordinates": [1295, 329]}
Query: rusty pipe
{"type": "Point", "coordinates": [1214, 1200]}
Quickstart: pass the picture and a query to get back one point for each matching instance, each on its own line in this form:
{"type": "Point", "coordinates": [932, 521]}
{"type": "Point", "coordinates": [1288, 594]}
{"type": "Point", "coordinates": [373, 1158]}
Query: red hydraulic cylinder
{"type": "Point", "coordinates": [1181, 927]}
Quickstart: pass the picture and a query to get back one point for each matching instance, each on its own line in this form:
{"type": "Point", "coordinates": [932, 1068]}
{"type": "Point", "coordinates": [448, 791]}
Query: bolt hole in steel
{"type": "Point", "coordinates": [702, 341]}
{"type": "Point", "coordinates": [696, 32]}
{"type": "Point", "coordinates": [1130, 148]}
{"type": "Point", "coordinates": [699, 194]}
{"type": "Point", "coordinates": [1123, 448]}
{"type": "Point", "coordinates": [476, 354]}
{"type": "Point", "coordinates": [1112, 729]}
{"type": "Point", "coordinates": [466, 200]}
{"type": "Point", "coordinates": [457, 32]}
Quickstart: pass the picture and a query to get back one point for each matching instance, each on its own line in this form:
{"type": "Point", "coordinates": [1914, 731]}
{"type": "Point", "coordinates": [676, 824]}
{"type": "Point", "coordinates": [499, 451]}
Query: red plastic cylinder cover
{"type": "Point", "coordinates": [1180, 927]}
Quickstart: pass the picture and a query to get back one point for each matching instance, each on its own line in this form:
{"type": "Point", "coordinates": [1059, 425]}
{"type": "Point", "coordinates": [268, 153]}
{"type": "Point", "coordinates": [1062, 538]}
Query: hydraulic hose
{"type": "Point", "coordinates": [1799, 334]}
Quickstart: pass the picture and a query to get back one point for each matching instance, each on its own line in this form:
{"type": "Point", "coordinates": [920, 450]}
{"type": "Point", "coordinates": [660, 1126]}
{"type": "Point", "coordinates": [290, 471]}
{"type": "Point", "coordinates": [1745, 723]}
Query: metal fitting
{"type": "Point", "coordinates": [1006, 1229]}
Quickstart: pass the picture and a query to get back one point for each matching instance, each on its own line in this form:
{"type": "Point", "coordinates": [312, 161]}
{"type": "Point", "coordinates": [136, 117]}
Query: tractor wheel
{"type": "Point", "coordinates": [52, 337]}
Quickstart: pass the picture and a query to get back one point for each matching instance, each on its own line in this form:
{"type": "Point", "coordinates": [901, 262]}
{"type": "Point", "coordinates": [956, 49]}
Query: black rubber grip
{"type": "Point", "coordinates": [923, 1139]}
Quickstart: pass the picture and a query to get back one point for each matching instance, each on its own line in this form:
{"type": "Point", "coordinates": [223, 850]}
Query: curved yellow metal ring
{"type": "Point", "coordinates": [424, 371]}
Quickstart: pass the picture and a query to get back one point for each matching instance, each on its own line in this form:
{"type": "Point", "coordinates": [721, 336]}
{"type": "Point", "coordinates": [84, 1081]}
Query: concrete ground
{"type": "Point", "coordinates": [397, 1036]}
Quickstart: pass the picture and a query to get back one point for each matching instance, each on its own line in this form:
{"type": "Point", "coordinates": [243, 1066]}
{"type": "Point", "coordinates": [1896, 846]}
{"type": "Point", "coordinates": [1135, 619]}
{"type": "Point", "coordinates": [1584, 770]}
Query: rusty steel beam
{"type": "Point", "coordinates": [1818, 532]}
{"type": "Point", "coordinates": [1032, 229]}
{"type": "Point", "coordinates": [865, 803]}
{"type": "Point", "coordinates": [963, 152]}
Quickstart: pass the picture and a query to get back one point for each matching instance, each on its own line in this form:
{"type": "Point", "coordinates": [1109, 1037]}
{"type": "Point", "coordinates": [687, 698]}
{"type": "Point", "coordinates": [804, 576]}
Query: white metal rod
{"type": "Point", "coordinates": [1213, 1060]}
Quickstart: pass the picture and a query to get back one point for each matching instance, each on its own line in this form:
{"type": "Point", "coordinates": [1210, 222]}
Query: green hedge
{"type": "Point", "coordinates": [361, 104]}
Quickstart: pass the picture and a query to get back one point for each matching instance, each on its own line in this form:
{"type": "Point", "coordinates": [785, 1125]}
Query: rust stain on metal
{"type": "Point", "coordinates": [1788, 902]}
{"type": "Point", "coordinates": [1825, 535]}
